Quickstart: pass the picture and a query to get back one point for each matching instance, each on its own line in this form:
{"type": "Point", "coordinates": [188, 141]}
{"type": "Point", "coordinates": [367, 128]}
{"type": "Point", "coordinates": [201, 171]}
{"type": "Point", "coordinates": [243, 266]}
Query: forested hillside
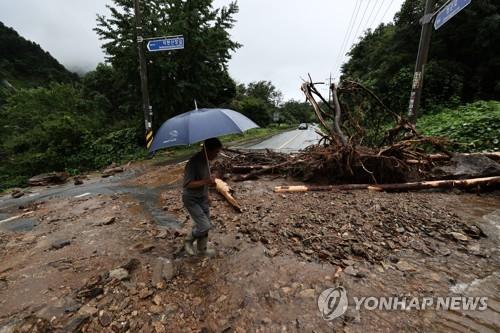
{"type": "Point", "coordinates": [464, 59]}
{"type": "Point", "coordinates": [25, 64]}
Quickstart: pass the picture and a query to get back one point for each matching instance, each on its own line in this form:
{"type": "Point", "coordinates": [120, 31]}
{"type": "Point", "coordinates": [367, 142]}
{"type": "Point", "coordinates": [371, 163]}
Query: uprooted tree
{"type": "Point", "coordinates": [363, 141]}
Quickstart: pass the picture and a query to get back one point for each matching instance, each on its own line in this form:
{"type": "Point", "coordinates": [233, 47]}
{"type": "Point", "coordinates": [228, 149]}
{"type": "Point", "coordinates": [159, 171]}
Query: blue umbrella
{"type": "Point", "coordinates": [198, 125]}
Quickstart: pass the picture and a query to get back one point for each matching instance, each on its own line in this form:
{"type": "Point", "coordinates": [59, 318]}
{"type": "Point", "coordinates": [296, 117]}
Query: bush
{"type": "Point", "coordinates": [473, 127]}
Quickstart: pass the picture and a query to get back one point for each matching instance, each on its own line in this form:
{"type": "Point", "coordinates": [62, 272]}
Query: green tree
{"type": "Point", "coordinates": [176, 79]}
{"type": "Point", "coordinates": [293, 112]}
{"type": "Point", "coordinates": [464, 62]}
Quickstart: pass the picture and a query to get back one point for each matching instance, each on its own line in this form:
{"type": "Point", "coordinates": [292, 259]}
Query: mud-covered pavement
{"type": "Point", "coordinates": [111, 260]}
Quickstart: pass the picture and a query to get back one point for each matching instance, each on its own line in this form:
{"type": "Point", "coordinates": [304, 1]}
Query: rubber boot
{"type": "Point", "coordinates": [188, 244]}
{"type": "Point", "coordinates": [201, 244]}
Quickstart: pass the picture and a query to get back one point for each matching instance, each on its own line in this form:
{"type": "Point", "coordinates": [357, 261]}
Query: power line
{"type": "Point", "coordinates": [387, 10]}
{"type": "Point", "coordinates": [348, 30]}
{"type": "Point", "coordinates": [360, 22]}
{"type": "Point", "coordinates": [376, 15]}
{"type": "Point", "coordinates": [370, 16]}
{"type": "Point", "coordinates": [348, 34]}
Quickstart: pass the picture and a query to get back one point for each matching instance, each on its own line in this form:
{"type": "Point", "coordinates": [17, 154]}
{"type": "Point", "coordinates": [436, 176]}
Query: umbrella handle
{"type": "Point", "coordinates": [208, 163]}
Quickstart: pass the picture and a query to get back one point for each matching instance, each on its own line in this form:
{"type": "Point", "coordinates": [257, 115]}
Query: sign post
{"type": "Point", "coordinates": [166, 44]}
{"type": "Point", "coordinates": [443, 15]}
{"type": "Point", "coordinates": [448, 11]}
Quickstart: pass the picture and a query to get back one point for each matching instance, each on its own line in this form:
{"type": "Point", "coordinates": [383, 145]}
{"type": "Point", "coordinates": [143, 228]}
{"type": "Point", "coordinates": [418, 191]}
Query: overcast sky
{"type": "Point", "coordinates": [283, 40]}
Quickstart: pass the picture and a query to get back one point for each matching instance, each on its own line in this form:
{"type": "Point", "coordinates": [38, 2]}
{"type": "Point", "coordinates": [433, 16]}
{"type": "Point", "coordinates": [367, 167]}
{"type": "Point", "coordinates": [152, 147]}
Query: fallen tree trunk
{"type": "Point", "coordinates": [463, 183]}
{"type": "Point", "coordinates": [224, 189]}
{"type": "Point", "coordinates": [307, 188]}
{"type": "Point", "coordinates": [442, 157]}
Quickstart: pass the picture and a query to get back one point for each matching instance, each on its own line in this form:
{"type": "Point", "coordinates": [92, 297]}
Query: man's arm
{"type": "Point", "coordinates": [200, 183]}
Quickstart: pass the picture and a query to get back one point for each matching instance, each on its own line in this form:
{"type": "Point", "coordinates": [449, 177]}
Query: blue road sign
{"type": "Point", "coordinates": [449, 11]}
{"type": "Point", "coordinates": [166, 44]}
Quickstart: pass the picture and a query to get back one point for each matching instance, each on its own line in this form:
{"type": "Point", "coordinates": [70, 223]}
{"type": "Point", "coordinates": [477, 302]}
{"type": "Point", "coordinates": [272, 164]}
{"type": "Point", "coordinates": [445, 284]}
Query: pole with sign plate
{"type": "Point", "coordinates": [440, 17]}
{"type": "Point", "coordinates": [154, 45]}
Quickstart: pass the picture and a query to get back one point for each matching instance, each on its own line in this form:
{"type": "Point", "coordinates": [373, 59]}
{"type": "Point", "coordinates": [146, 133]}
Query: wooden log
{"type": "Point", "coordinates": [442, 157]}
{"type": "Point", "coordinates": [462, 183]}
{"type": "Point", "coordinates": [223, 188]}
{"type": "Point", "coordinates": [307, 188]}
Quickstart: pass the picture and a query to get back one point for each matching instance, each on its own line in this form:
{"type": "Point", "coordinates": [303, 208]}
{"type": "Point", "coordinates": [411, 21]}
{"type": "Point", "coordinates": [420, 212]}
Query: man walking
{"type": "Point", "coordinates": [197, 179]}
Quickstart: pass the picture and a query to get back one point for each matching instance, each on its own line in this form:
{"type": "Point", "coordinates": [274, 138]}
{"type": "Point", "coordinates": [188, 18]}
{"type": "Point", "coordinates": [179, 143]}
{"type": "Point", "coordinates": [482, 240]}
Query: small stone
{"type": "Point", "coordinates": [349, 270]}
{"type": "Point", "coordinates": [145, 293]}
{"type": "Point", "coordinates": [119, 274]}
{"type": "Point", "coordinates": [221, 299]}
{"type": "Point", "coordinates": [286, 290]}
{"type": "Point", "coordinates": [59, 244]}
{"type": "Point", "coordinates": [404, 266]}
{"type": "Point", "coordinates": [105, 318]}
{"type": "Point", "coordinates": [401, 230]}
{"type": "Point", "coordinates": [88, 310]}
{"type": "Point", "coordinates": [155, 309]}
{"type": "Point", "coordinates": [157, 299]}
{"type": "Point", "coordinates": [197, 301]}
{"type": "Point", "coordinates": [170, 308]}
{"type": "Point", "coordinates": [308, 293]}
{"type": "Point", "coordinates": [458, 236]}
{"type": "Point", "coordinates": [109, 221]}
{"type": "Point", "coordinates": [159, 328]}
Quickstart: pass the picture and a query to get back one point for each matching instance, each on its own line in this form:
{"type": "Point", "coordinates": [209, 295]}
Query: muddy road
{"type": "Point", "coordinates": [107, 257]}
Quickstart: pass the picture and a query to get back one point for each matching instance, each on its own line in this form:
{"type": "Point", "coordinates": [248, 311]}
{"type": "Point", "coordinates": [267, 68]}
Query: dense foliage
{"type": "Point", "coordinates": [176, 79]}
{"type": "Point", "coordinates": [472, 127]}
{"type": "Point", "coordinates": [464, 59]}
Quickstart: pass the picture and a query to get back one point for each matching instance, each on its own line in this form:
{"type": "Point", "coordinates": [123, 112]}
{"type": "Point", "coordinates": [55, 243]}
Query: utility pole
{"type": "Point", "coordinates": [329, 90]}
{"type": "Point", "coordinates": [423, 52]}
{"type": "Point", "coordinates": [146, 107]}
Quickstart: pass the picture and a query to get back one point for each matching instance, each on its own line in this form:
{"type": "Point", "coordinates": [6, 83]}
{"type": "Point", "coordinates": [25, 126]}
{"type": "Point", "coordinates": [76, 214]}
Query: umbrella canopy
{"type": "Point", "coordinates": [199, 125]}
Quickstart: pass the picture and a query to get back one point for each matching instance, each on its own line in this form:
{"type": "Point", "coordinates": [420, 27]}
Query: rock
{"type": "Point", "coordinates": [17, 193]}
{"type": "Point", "coordinates": [170, 308]}
{"type": "Point", "coordinates": [197, 301]}
{"type": "Point", "coordinates": [159, 328]}
{"type": "Point", "coordinates": [119, 274]}
{"type": "Point", "coordinates": [111, 171]}
{"type": "Point", "coordinates": [105, 318]}
{"type": "Point", "coordinates": [76, 322]}
{"type": "Point", "coordinates": [87, 310]}
{"type": "Point", "coordinates": [155, 309]}
{"type": "Point", "coordinates": [349, 270]}
{"type": "Point", "coordinates": [145, 293]}
{"type": "Point", "coordinates": [108, 221]}
{"type": "Point", "coordinates": [59, 244]}
{"type": "Point", "coordinates": [308, 293]}
{"type": "Point", "coordinates": [467, 166]}
{"type": "Point", "coordinates": [458, 236]}
{"type": "Point", "coordinates": [404, 266]}
{"type": "Point", "coordinates": [131, 265]}
{"type": "Point", "coordinates": [48, 178]}
{"type": "Point", "coordinates": [286, 290]}
{"type": "Point", "coordinates": [157, 299]}
{"type": "Point", "coordinates": [164, 270]}
{"type": "Point", "coordinates": [77, 181]}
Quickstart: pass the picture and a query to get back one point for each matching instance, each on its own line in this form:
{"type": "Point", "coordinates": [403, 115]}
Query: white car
{"type": "Point", "coordinates": [302, 126]}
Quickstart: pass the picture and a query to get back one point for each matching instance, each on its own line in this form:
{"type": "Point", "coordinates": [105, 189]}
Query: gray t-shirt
{"type": "Point", "coordinates": [196, 169]}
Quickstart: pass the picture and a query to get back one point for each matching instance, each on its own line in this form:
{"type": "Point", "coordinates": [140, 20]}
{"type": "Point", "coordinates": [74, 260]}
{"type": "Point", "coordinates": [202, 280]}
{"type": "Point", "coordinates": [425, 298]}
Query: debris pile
{"type": "Point", "coordinates": [356, 150]}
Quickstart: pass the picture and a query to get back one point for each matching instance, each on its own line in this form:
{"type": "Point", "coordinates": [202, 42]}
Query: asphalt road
{"type": "Point", "coordinates": [289, 142]}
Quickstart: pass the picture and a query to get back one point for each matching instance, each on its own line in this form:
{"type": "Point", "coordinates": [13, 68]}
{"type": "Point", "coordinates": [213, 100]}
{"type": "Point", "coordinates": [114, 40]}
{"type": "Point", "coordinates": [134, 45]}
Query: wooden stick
{"type": "Point", "coordinates": [224, 189]}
